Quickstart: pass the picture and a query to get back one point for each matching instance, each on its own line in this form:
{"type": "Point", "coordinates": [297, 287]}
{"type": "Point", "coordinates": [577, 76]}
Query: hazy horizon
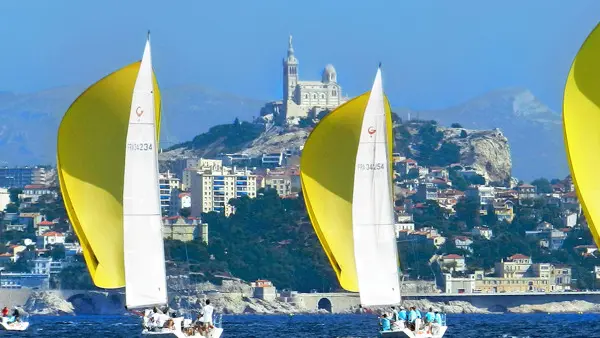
{"type": "Point", "coordinates": [434, 55]}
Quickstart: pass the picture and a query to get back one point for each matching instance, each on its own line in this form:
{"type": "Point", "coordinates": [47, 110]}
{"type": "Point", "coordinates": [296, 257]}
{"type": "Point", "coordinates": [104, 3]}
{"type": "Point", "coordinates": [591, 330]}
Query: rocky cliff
{"type": "Point", "coordinates": [485, 150]}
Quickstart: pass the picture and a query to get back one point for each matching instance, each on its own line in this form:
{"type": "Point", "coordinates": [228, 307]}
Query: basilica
{"type": "Point", "coordinates": [301, 97]}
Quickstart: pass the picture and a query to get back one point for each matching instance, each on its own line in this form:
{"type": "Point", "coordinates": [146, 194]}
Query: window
{"type": "Point", "coordinates": [314, 96]}
{"type": "Point", "coordinates": [334, 93]}
{"type": "Point", "coordinates": [322, 95]}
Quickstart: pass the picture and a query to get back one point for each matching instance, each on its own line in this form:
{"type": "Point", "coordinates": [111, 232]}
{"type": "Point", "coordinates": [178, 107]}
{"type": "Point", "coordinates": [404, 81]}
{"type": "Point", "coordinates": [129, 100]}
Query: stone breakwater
{"type": "Point", "coordinates": [104, 303]}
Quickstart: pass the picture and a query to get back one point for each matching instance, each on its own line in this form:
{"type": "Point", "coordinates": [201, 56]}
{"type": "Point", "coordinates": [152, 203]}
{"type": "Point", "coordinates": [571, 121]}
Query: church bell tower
{"type": "Point", "coordinates": [290, 74]}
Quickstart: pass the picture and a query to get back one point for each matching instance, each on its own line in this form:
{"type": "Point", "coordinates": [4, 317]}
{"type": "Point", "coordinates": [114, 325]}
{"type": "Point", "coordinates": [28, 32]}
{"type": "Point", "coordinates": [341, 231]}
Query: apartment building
{"type": "Point", "coordinates": [167, 183]}
{"type": "Point", "coordinates": [212, 190]}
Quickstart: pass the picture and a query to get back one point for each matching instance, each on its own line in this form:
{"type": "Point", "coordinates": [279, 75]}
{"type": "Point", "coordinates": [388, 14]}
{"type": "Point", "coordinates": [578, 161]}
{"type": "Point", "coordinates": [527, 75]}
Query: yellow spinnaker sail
{"type": "Point", "coordinates": [327, 173]}
{"type": "Point", "coordinates": [91, 165]}
{"type": "Point", "coordinates": [581, 118]}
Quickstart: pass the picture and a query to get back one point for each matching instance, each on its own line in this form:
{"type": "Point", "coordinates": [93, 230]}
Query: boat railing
{"type": "Point", "coordinates": [217, 320]}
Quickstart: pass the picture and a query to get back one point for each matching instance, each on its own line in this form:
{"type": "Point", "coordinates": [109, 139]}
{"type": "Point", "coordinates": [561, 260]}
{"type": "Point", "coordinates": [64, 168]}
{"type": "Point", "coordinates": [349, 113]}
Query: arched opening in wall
{"type": "Point", "coordinates": [325, 304]}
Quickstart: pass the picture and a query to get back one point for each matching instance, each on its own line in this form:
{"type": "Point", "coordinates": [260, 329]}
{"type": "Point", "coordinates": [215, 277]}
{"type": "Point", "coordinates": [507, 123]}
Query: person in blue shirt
{"type": "Point", "coordinates": [385, 323]}
{"type": "Point", "coordinates": [437, 323]}
{"type": "Point", "coordinates": [402, 314]}
{"type": "Point", "coordinates": [429, 316]}
{"type": "Point", "coordinates": [418, 313]}
{"type": "Point", "coordinates": [412, 315]}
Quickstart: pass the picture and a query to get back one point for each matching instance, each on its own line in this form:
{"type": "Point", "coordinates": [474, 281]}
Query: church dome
{"type": "Point", "coordinates": [329, 74]}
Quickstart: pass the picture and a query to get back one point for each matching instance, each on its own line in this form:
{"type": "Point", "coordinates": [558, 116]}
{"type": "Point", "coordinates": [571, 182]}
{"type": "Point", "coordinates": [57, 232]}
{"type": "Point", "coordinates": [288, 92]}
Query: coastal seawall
{"type": "Point", "coordinates": [73, 302]}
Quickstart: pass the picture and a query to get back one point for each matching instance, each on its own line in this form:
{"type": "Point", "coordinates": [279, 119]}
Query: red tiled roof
{"type": "Point", "coordinates": [45, 223]}
{"type": "Point", "coordinates": [518, 256]}
{"type": "Point", "coordinates": [52, 233]}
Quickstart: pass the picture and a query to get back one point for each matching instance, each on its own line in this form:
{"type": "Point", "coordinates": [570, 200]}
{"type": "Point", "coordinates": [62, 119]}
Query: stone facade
{"type": "Point", "coordinates": [302, 98]}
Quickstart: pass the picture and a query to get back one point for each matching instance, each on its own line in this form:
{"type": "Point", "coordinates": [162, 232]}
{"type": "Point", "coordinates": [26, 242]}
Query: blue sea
{"type": "Point", "coordinates": [300, 326]}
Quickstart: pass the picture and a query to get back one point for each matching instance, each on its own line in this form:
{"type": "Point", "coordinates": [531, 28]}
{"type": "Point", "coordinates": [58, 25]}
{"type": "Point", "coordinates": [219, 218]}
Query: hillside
{"type": "Point", "coordinates": [28, 123]}
{"type": "Point", "coordinates": [423, 141]}
{"type": "Point", "coordinates": [534, 131]}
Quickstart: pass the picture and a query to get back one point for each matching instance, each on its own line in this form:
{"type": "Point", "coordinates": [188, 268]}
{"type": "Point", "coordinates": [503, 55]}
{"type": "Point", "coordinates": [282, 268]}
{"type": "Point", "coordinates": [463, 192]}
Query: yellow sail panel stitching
{"type": "Point", "coordinates": [91, 164]}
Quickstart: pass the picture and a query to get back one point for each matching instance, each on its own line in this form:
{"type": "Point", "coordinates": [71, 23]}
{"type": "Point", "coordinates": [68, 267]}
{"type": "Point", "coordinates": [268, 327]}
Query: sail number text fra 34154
{"type": "Point", "coordinates": [370, 166]}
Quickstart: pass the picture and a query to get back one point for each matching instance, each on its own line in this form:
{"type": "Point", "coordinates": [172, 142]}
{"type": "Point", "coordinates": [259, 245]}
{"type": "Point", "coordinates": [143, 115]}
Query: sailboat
{"type": "Point", "coordinates": [581, 117]}
{"type": "Point", "coordinates": [20, 325]}
{"type": "Point", "coordinates": [346, 177]}
{"type": "Point", "coordinates": [108, 170]}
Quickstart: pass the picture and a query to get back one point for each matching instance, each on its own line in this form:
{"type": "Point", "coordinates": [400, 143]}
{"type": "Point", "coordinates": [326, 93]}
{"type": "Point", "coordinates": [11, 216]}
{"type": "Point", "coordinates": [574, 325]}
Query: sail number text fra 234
{"type": "Point", "coordinates": [370, 166]}
{"type": "Point", "coordinates": [139, 146]}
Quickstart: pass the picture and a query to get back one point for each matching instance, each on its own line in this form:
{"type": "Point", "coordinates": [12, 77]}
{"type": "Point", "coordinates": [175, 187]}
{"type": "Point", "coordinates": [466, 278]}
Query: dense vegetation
{"type": "Point", "coordinates": [267, 237]}
{"type": "Point", "coordinates": [423, 142]}
{"type": "Point", "coordinates": [227, 138]}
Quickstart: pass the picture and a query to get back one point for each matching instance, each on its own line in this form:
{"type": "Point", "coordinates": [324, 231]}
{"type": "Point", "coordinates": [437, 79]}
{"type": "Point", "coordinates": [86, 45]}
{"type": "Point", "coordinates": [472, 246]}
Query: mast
{"type": "Point", "coordinates": [145, 275]}
{"type": "Point", "coordinates": [375, 248]}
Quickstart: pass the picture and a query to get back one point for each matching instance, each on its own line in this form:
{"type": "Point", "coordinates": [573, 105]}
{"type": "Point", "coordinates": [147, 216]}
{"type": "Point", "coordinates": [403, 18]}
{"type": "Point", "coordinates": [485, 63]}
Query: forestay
{"type": "Point", "coordinates": [143, 242]}
{"type": "Point", "coordinates": [375, 248]}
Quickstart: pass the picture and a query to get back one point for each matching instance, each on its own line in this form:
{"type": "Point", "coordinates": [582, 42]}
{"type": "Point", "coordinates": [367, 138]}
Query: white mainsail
{"type": "Point", "coordinates": [375, 249]}
{"type": "Point", "coordinates": [145, 276]}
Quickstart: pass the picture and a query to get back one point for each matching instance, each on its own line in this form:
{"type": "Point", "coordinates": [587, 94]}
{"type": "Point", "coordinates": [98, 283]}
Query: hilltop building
{"type": "Point", "coordinates": [301, 97]}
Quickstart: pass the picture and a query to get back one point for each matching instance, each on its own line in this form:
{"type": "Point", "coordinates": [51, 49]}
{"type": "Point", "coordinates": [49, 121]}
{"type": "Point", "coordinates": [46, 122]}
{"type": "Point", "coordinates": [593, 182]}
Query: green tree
{"type": "Point", "coordinates": [458, 181]}
{"type": "Point", "coordinates": [57, 252]}
{"type": "Point", "coordinates": [543, 185]}
{"type": "Point", "coordinates": [455, 125]}
{"type": "Point", "coordinates": [490, 218]}
{"type": "Point", "coordinates": [185, 212]}
{"type": "Point", "coordinates": [476, 180]}
{"type": "Point", "coordinates": [467, 210]}
{"type": "Point", "coordinates": [11, 208]}
{"type": "Point", "coordinates": [75, 277]}
{"type": "Point", "coordinates": [14, 195]}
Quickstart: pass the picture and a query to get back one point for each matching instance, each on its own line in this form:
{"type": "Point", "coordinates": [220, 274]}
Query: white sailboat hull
{"type": "Point", "coordinates": [176, 332]}
{"type": "Point", "coordinates": [214, 333]}
{"type": "Point", "coordinates": [16, 326]}
{"type": "Point", "coordinates": [407, 333]}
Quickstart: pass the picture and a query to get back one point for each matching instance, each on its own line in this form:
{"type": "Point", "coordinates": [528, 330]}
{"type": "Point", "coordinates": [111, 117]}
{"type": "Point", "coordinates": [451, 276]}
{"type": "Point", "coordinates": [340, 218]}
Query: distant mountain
{"type": "Point", "coordinates": [533, 130]}
{"type": "Point", "coordinates": [29, 122]}
{"type": "Point", "coordinates": [191, 110]}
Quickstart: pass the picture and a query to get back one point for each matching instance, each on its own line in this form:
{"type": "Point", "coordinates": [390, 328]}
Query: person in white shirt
{"type": "Point", "coordinates": [207, 315]}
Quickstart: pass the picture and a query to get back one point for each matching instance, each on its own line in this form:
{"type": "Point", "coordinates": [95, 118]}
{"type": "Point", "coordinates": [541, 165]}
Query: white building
{"type": "Point", "coordinates": [199, 165]}
{"type": "Point", "coordinates": [4, 198]}
{"type": "Point", "coordinates": [212, 190]}
{"type": "Point", "coordinates": [300, 96]}
{"type": "Point", "coordinates": [46, 266]}
{"type": "Point", "coordinates": [167, 183]}
{"type": "Point", "coordinates": [50, 238]}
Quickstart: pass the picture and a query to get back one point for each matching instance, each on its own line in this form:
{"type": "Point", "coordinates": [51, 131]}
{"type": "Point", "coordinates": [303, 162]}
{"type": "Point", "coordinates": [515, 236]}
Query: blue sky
{"type": "Point", "coordinates": [434, 53]}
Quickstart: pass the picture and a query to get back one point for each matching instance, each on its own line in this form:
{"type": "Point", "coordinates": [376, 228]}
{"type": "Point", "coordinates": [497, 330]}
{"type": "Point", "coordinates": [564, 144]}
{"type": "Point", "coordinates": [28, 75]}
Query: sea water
{"type": "Point", "coordinates": [301, 326]}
